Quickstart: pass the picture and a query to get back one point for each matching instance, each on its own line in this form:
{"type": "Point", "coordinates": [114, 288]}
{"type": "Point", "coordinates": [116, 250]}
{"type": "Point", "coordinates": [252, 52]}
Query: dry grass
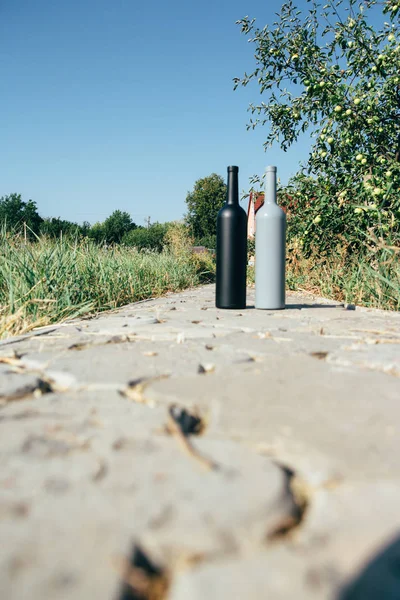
{"type": "Point", "coordinates": [372, 280]}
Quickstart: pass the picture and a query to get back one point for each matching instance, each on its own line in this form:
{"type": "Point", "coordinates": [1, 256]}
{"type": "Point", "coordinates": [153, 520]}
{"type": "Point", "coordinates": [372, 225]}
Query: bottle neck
{"type": "Point", "coordinates": [270, 186]}
{"type": "Point", "coordinates": [233, 188]}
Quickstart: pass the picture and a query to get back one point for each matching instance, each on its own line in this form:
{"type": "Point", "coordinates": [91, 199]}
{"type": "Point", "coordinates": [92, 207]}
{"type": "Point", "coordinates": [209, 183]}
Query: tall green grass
{"type": "Point", "coordinates": [48, 281]}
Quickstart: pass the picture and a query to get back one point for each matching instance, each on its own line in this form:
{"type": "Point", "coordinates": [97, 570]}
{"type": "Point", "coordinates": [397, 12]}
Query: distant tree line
{"type": "Point", "coordinates": [203, 203]}
{"type": "Point", "coordinates": [23, 219]}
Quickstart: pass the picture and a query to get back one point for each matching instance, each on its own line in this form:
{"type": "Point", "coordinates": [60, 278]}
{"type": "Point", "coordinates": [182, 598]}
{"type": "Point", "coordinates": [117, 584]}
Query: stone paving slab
{"type": "Point", "coordinates": [173, 451]}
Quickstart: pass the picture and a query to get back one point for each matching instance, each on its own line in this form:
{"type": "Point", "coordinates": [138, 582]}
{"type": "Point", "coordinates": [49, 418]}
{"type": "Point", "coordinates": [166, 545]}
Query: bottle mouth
{"type": "Point", "coordinates": [233, 169]}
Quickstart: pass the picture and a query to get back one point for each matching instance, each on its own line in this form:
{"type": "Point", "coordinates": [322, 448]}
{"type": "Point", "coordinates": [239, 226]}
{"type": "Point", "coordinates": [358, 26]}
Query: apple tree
{"type": "Point", "coordinates": [333, 69]}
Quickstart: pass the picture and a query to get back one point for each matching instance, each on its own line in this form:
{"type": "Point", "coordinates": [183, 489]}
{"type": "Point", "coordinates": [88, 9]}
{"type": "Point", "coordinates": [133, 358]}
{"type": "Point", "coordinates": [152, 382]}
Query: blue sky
{"type": "Point", "coordinates": [125, 104]}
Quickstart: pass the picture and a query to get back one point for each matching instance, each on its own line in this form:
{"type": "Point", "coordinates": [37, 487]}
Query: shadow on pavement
{"type": "Point", "coordinates": [301, 306]}
{"type": "Point", "coordinates": [380, 579]}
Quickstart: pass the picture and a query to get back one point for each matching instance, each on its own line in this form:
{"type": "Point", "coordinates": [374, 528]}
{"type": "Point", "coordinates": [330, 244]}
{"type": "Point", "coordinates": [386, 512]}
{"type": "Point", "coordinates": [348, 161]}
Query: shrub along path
{"type": "Point", "coordinates": [173, 450]}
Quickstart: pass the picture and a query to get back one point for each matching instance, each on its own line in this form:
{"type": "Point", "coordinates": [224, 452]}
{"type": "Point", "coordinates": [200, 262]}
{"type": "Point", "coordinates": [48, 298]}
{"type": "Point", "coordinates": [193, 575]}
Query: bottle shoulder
{"type": "Point", "coordinates": [232, 209]}
{"type": "Point", "coordinates": [269, 209]}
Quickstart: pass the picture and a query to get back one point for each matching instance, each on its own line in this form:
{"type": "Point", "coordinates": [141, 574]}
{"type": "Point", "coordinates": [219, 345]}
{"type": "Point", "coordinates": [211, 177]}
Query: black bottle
{"type": "Point", "coordinates": [231, 248]}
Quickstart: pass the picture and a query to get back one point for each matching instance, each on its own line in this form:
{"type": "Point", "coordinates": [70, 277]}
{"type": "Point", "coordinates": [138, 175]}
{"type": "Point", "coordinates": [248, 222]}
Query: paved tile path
{"type": "Point", "coordinates": [170, 450]}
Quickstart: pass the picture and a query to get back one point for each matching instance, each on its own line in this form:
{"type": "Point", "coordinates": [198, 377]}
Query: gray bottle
{"type": "Point", "coordinates": [270, 251]}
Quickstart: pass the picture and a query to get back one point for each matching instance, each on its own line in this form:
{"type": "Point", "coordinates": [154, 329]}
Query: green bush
{"type": "Point", "coordinates": [325, 218]}
{"type": "Point", "coordinates": [151, 238]}
{"type": "Point", "coordinates": [251, 247]}
{"type": "Point", "coordinates": [208, 241]}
